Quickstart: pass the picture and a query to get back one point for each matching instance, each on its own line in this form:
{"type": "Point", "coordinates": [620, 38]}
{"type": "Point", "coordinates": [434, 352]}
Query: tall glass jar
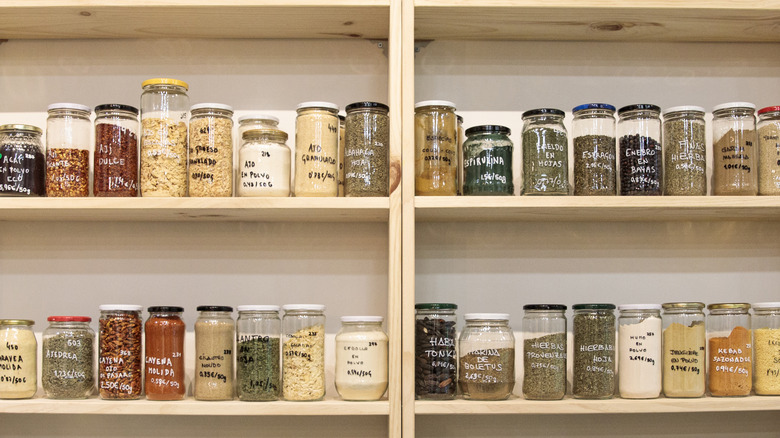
{"type": "Point", "coordinates": [164, 105]}
{"type": "Point", "coordinates": [342, 146]}
{"type": "Point", "coordinates": [361, 358]}
{"type": "Point", "coordinates": [769, 150]}
{"type": "Point", "coordinates": [594, 351]}
{"type": "Point", "coordinates": [595, 169]}
{"type": "Point", "coordinates": [68, 357]}
{"type": "Point", "coordinates": [22, 163]}
{"type": "Point", "coordinates": [734, 144]}
{"type": "Point", "coordinates": [210, 169]}
{"type": "Point", "coordinates": [256, 121]}
{"type": "Point", "coordinates": [487, 161]}
{"type": "Point", "coordinates": [639, 336]}
{"type": "Point", "coordinates": [730, 349]}
{"type": "Point", "coordinates": [641, 162]}
{"type": "Point", "coordinates": [264, 164]}
{"type": "Point", "coordinates": [120, 357]}
{"type": "Point", "coordinates": [258, 335]}
{"type": "Point", "coordinates": [18, 347]}
{"type": "Point", "coordinates": [303, 352]}
{"type": "Point", "coordinates": [685, 151]}
{"type": "Point", "coordinates": [684, 350]}
{"type": "Point", "coordinates": [460, 139]}
{"type": "Point", "coordinates": [215, 332]}
{"type": "Point", "coordinates": [164, 366]}
{"type": "Point", "coordinates": [544, 351]}
{"type": "Point", "coordinates": [116, 150]}
{"type": "Point", "coordinates": [316, 149]}
{"type": "Point", "coordinates": [766, 340]}
{"type": "Point", "coordinates": [436, 363]}
{"type": "Point", "coordinates": [435, 148]}
{"type": "Point", "coordinates": [487, 357]}
{"type": "Point", "coordinates": [367, 150]}
{"type": "Point", "coordinates": [68, 149]}
{"type": "Point", "coordinates": [545, 153]}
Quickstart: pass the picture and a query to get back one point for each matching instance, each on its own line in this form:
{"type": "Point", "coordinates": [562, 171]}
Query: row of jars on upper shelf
{"type": "Point", "coordinates": [188, 150]}
{"type": "Point", "coordinates": [641, 156]}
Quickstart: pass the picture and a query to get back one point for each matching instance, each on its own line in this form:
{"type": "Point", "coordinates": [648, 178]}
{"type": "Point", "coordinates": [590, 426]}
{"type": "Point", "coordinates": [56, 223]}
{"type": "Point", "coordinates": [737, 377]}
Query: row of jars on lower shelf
{"type": "Point", "coordinates": [645, 356]}
{"type": "Point", "coordinates": [274, 358]}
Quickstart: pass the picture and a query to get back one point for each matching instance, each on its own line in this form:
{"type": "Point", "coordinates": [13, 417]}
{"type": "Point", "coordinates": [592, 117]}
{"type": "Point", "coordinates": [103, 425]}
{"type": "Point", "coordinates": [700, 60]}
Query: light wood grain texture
{"type": "Point", "coordinates": [598, 20]}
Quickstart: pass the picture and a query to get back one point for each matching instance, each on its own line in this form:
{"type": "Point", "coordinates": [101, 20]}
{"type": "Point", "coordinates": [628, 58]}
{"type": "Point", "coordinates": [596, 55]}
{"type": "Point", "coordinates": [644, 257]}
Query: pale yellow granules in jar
{"type": "Point", "coordinates": [316, 153]}
{"type": "Point", "coordinates": [163, 157]}
{"type": "Point", "coordinates": [211, 157]}
{"type": "Point", "coordinates": [18, 361]}
{"type": "Point", "coordinates": [684, 360]}
{"type": "Point", "coordinates": [767, 349]}
{"type": "Point", "coordinates": [303, 370]}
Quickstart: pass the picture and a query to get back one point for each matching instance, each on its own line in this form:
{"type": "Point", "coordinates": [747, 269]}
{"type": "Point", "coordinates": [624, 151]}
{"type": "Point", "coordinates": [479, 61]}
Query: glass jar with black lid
{"type": "Point", "coordinates": [545, 153]}
{"type": "Point", "coordinates": [436, 362]}
{"type": "Point", "coordinates": [544, 351]}
{"type": "Point", "coordinates": [487, 161]}
{"type": "Point", "coordinates": [367, 149]}
{"type": "Point", "coordinates": [641, 155]}
{"type": "Point", "coordinates": [594, 351]}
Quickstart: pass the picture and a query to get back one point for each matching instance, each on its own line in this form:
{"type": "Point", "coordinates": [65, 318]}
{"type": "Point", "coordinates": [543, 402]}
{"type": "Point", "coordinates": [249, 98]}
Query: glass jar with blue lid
{"type": "Point", "coordinates": [595, 167]}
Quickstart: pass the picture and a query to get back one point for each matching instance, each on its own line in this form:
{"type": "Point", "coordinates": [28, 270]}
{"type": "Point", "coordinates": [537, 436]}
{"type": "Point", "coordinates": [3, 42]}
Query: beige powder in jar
{"type": "Point", "coordinates": [163, 170]}
{"type": "Point", "coordinates": [211, 151]}
{"type": "Point", "coordinates": [769, 159]}
{"type": "Point", "coordinates": [316, 149]}
{"type": "Point", "coordinates": [214, 359]}
{"type": "Point", "coordinates": [18, 360]}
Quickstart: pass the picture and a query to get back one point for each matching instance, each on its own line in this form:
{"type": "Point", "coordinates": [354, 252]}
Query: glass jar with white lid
{"type": "Point", "coordinates": [639, 345]}
{"type": "Point", "coordinates": [316, 149]}
{"type": "Point", "coordinates": [361, 358]}
{"type": "Point", "coordinates": [766, 344]}
{"type": "Point", "coordinates": [487, 357]}
{"type": "Point", "coordinates": [68, 150]}
{"type": "Point", "coordinates": [256, 121]}
{"type": "Point", "coordinates": [735, 147]}
{"type": "Point", "coordinates": [303, 352]}
{"type": "Point", "coordinates": [258, 335]}
{"type": "Point", "coordinates": [685, 349]}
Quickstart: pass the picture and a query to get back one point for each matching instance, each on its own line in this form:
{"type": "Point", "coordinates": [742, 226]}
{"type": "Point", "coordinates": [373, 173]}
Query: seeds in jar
{"type": "Point", "coordinates": [18, 354]}
{"type": "Point", "coordinates": [685, 158]}
{"type": "Point", "coordinates": [211, 156]}
{"type": "Point", "coordinates": [257, 366]}
{"type": "Point", "coordinates": [769, 159]}
{"type": "Point", "coordinates": [641, 170]}
{"type": "Point", "coordinates": [544, 364]}
{"type": "Point", "coordinates": [120, 360]}
{"type": "Point", "coordinates": [116, 161]}
{"type": "Point", "coordinates": [67, 370]}
{"type": "Point", "coordinates": [67, 172]}
{"type": "Point", "coordinates": [163, 157]}
{"type": "Point", "coordinates": [595, 170]}
{"type": "Point", "coordinates": [304, 364]}
{"type": "Point", "coordinates": [436, 367]}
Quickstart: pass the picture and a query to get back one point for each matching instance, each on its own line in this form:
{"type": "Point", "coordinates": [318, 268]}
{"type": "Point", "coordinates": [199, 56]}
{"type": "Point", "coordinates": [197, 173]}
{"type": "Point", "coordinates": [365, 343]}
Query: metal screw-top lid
{"type": "Point", "coordinates": [435, 306]}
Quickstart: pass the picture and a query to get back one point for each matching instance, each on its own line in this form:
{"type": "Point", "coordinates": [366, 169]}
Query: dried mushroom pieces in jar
{"type": "Point", "coordinates": [436, 361]}
{"type": "Point", "coordinates": [487, 357]}
{"type": "Point", "coordinates": [684, 346]}
{"type": "Point", "coordinates": [303, 352]}
{"type": "Point", "coordinates": [361, 358]}
{"type": "Point", "coordinates": [18, 359]}
{"type": "Point", "coordinates": [116, 151]}
{"type": "Point", "coordinates": [685, 151]}
{"type": "Point", "coordinates": [164, 363]}
{"type": "Point", "coordinates": [214, 332]}
{"type": "Point", "coordinates": [769, 151]}
{"type": "Point", "coordinates": [67, 150]}
{"type": "Point", "coordinates": [22, 163]}
{"type": "Point", "coordinates": [487, 161]}
{"type": "Point", "coordinates": [366, 152]}
{"type": "Point", "coordinates": [594, 351]}
{"type": "Point", "coordinates": [120, 359]}
{"type": "Point", "coordinates": [545, 153]}
{"type": "Point", "coordinates": [68, 357]}
{"type": "Point", "coordinates": [436, 148]}
{"type": "Point", "coordinates": [734, 144]}
{"type": "Point", "coordinates": [316, 149]}
{"type": "Point", "coordinates": [211, 150]}
{"type": "Point", "coordinates": [595, 167]}
{"type": "Point", "coordinates": [641, 162]}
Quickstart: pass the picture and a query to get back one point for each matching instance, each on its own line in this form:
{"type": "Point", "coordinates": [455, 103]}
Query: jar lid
{"type": "Point", "coordinates": [69, 319]}
{"type": "Point", "coordinates": [730, 105]}
{"type": "Point", "coordinates": [486, 316]}
{"type": "Point", "coordinates": [490, 129]}
{"type": "Point", "coordinates": [117, 106]}
{"type": "Point", "coordinates": [589, 106]}
{"type": "Point", "coordinates": [125, 307]}
{"type": "Point", "coordinates": [424, 103]}
{"type": "Point", "coordinates": [684, 108]}
{"type": "Point", "coordinates": [435, 306]}
{"type": "Point", "coordinates": [639, 106]}
{"type": "Point", "coordinates": [165, 309]}
{"type": "Point", "coordinates": [214, 309]}
{"type": "Point", "coordinates": [165, 81]}
{"type": "Point", "coordinates": [769, 109]}
{"type": "Point", "coordinates": [219, 106]}
{"type": "Point", "coordinates": [639, 307]}
{"type": "Point", "coordinates": [342, 118]}
{"type": "Point", "coordinates": [735, 306]}
{"type": "Point", "coordinates": [316, 307]}
{"type": "Point", "coordinates": [770, 305]}
{"type": "Point", "coordinates": [28, 128]}
{"type": "Point", "coordinates": [544, 307]}
{"type": "Point", "coordinates": [598, 306]}
{"type": "Point", "coordinates": [257, 308]}
{"type": "Point", "coordinates": [543, 111]}
{"type": "Point", "coordinates": [258, 116]}
{"type": "Point", "coordinates": [361, 105]}
{"type": "Point", "coordinates": [16, 322]}
{"type": "Point", "coordinates": [264, 131]}
{"type": "Point", "coordinates": [317, 104]}
{"type": "Point", "coordinates": [683, 305]}
{"type": "Point", "coordinates": [362, 319]}
{"type": "Point", "coordinates": [72, 106]}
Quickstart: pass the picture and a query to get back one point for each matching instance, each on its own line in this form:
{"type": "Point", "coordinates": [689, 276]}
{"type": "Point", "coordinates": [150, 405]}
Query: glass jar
{"type": "Point", "coordinates": [436, 363]}
{"type": "Point", "coordinates": [545, 153]}
{"type": "Point", "coordinates": [684, 347]}
{"type": "Point", "coordinates": [641, 162]}
{"type": "Point", "coordinates": [116, 150]}
{"type": "Point", "coordinates": [210, 169]}
{"type": "Point", "coordinates": [164, 105]}
{"type": "Point", "coordinates": [361, 358]}
{"type": "Point", "coordinates": [487, 357]}
{"type": "Point", "coordinates": [734, 159]}
{"type": "Point", "coordinates": [769, 150]}
{"type": "Point", "coordinates": [766, 339]}
{"type": "Point", "coordinates": [639, 335]}
{"type": "Point", "coordinates": [258, 334]}
{"type": "Point", "coordinates": [22, 164]}
{"type": "Point", "coordinates": [487, 161]}
{"type": "Point", "coordinates": [594, 351]}
{"type": "Point", "coordinates": [435, 148]}
{"type": "Point", "coordinates": [303, 352]}
{"type": "Point", "coordinates": [342, 146]}
{"type": "Point", "coordinates": [214, 335]}
{"type": "Point", "coordinates": [68, 357]}
{"type": "Point", "coordinates": [459, 165]}
{"type": "Point", "coordinates": [164, 369]}
{"type": "Point", "coordinates": [685, 151]}
{"type": "Point", "coordinates": [256, 121]}
{"type": "Point", "coordinates": [730, 349]}
{"type": "Point", "coordinates": [120, 357]}
{"type": "Point", "coordinates": [544, 351]}
{"type": "Point", "coordinates": [595, 169]}
{"type": "Point", "coordinates": [367, 150]}
{"type": "Point", "coordinates": [317, 149]}
{"type": "Point", "coordinates": [264, 164]}
{"type": "Point", "coordinates": [68, 149]}
{"type": "Point", "coordinates": [19, 350]}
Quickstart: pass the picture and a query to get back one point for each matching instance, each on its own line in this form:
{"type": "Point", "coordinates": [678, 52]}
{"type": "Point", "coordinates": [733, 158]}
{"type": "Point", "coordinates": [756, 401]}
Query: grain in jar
{"type": "Point", "coordinates": [303, 352]}
{"type": "Point", "coordinates": [258, 360]}
{"type": "Point", "coordinates": [68, 150]}
{"type": "Point", "coordinates": [684, 348]}
{"type": "Point", "coordinates": [734, 149]}
{"type": "Point", "coordinates": [685, 151]}
{"type": "Point", "coordinates": [730, 350]}
{"type": "Point", "coordinates": [487, 357]}
{"type": "Point", "coordinates": [545, 153]}
{"type": "Point", "coordinates": [18, 359]}
{"type": "Point", "coordinates": [639, 346]}
{"type": "Point", "coordinates": [769, 150]}
{"type": "Point", "coordinates": [214, 333]}
{"type": "Point", "coordinates": [436, 360]}
{"type": "Point", "coordinates": [116, 151]}
{"type": "Point", "coordinates": [164, 353]}
{"type": "Point", "coordinates": [264, 164]}
{"type": "Point", "coordinates": [68, 358]}
{"type": "Point", "coordinates": [594, 351]}
{"type": "Point", "coordinates": [210, 171]}
{"type": "Point", "coordinates": [367, 149]}
{"type": "Point", "coordinates": [487, 161]}
{"type": "Point", "coordinates": [316, 149]}
{"type": "Point", "coordinates": [766, 341]}
{"type": "Point", "coordinates": [120, 359]}
{"type": "Point", "coordinates": [361, 358]}
{"type": "Point", "coordinates": [595, 168]}
{"type": "Point", "coordinates": [640, 151]}
{"type": "Point", "coordinates": [22, 163]}
{"type": "Point", "coordinates": [544, 351]}
{"type": "Point", "coordinates": [435, 148]}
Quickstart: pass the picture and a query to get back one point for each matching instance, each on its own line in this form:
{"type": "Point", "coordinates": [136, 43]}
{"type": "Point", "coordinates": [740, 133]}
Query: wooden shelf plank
{"type": "Point", "coordinates": [196, 209]}
{"type": "Point", "coordinates": [598, 20]}
{"type": "Point", "coordinates": [43, 19]}
{"type": "Point", "coordinates": [595, 208]}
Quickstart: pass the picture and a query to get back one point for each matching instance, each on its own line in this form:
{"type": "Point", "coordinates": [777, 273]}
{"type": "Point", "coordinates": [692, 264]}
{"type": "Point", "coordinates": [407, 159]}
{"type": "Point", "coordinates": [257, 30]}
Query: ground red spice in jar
{"type": "Point", "coordinates": [164, 353]}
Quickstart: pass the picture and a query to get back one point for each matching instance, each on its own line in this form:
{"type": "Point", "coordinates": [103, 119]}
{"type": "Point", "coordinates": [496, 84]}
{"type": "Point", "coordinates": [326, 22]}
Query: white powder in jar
{"type": "Point", "coordinates": [640, 365]}
{"type": "Point", "coordinates": [361, 365]}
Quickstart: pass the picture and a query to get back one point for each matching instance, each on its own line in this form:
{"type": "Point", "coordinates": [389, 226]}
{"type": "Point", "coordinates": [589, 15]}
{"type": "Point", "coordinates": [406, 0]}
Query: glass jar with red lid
{"type": "Point", "coordinates": [68, 358]}
{"type": "Point", "coordinates": [769, 150]}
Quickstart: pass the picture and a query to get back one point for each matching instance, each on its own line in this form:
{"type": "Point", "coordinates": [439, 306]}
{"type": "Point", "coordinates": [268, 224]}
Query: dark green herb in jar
{"type": "Point", "coordinates": [487, 161]}
{"type": "Point", "coordinates": [595, 169]}
{"type": "Point", "coordinates": [544, 364]}
{"type": "Point", "coordinates": [68, 369]}
{"type": "Point", "coordinates": [545, 153]}
{"type": "Point", "coordinates": [685, 152]}
{"type": "Point", "coordinates": [594, 353]}
{"type": "Point", "coordinates": [366, 153]}
{"type": "Point", "coordinates": [258, 368]}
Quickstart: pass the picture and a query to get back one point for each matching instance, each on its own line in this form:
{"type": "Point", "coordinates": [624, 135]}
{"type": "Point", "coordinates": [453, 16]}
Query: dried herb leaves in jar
{"type": "Point", "coordinates": [685, 152]}
{"type": "Point", "coordinates": [258, 371]}
{"type": "Point", "coordinates": [68, 358]}
{"type": "Point", "coordinates": [545, 153]}
{"type": "Point", "coordinates": [594, 351]}
{"type": "Point", "coordinates": [366, 153]}
{"type": "Point", "coordinates": [544, 365]}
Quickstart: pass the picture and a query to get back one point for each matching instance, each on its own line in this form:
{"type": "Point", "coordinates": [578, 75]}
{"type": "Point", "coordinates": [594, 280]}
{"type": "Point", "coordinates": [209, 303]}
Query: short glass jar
{"type": "Point", "coordinates": [68, 150]}
{"type": "Point", "coordinates": [264, 164]}
{"type": "Point", "coordinates": [435, 148]}
{"type": "Point", "coordinates": [68, 358]}
{"type": "Point", "coordinates": [252, 121]}
{"type": "Point", "coordinates": [120, 363]}
{"type": "Point", "coordinates": [639, 337]}
{"type": "Point", "coordinates": [769, 150]}
{"type": "Point", "coordinates": [487, 161]}
{"type": "Point", "coordinates": [641, 155]}
{"type": "Point", "coordinates": [436, 361]}
{"type": "Point", "coordinates": [23, 167]}
{"type": "Point", "coordinates": [367, 149]}
{"type": "Point", "coordinates": [545, 153]}
{"type": "Point", "coordinates": [116, 151]}
{"type": "Point", "coordinates": [164, 353]}
{"type": "Point", "coordinates": [544, 351]}
{"type": "Point", "coordinates": [766, 341]}
{"type": "Point", "coordinates": [594, 351]}
{"type": "Point", "coordinates": [684, 350]}
{"type": "Point", "coordinates": [303, 352]}
{"type": "Point", "coordinates": [18, 347]}
{"type": "Point", "coordinates": [317, 149]}
{"type": "Point", "coordinates": [210, 171]}
{"type": "Point", "coordinates": [361, 358]}
{"type": "Point", "coordinates": [215, 332]}
{"type": "Point", "coordinates": [595, 168]}
{"type": "Point", "coordinates": [258, 335]}
{"type": "Point", "coordinates": [685, 151]}
{"type": "Point", "coordinates": [487, 357]}
{"type": "Point", "coordinates": [730, 349]}
{"type": "Point", "coordinates": [734, 144]}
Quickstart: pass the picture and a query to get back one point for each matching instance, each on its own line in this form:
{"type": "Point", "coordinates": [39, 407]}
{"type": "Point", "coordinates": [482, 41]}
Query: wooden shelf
{"type": "Point", "coordinates": [598, 20]}
{"type": "Point", "coordinates": [196, 209]}
{"type": "Point", "coordinates": [194, 19]}
{"type": "Point", "coordinates": [595, 208]}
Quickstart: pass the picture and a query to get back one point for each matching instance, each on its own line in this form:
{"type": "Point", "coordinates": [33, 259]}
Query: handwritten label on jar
{"type": "Point", "coordinates": [730, 365]}
{"type": "Point", "coordinates": [21, 172]}
{"type": "Point", "coordinates": [163, 370]}
{"type": "Point", "coordinates": [361, 365]}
